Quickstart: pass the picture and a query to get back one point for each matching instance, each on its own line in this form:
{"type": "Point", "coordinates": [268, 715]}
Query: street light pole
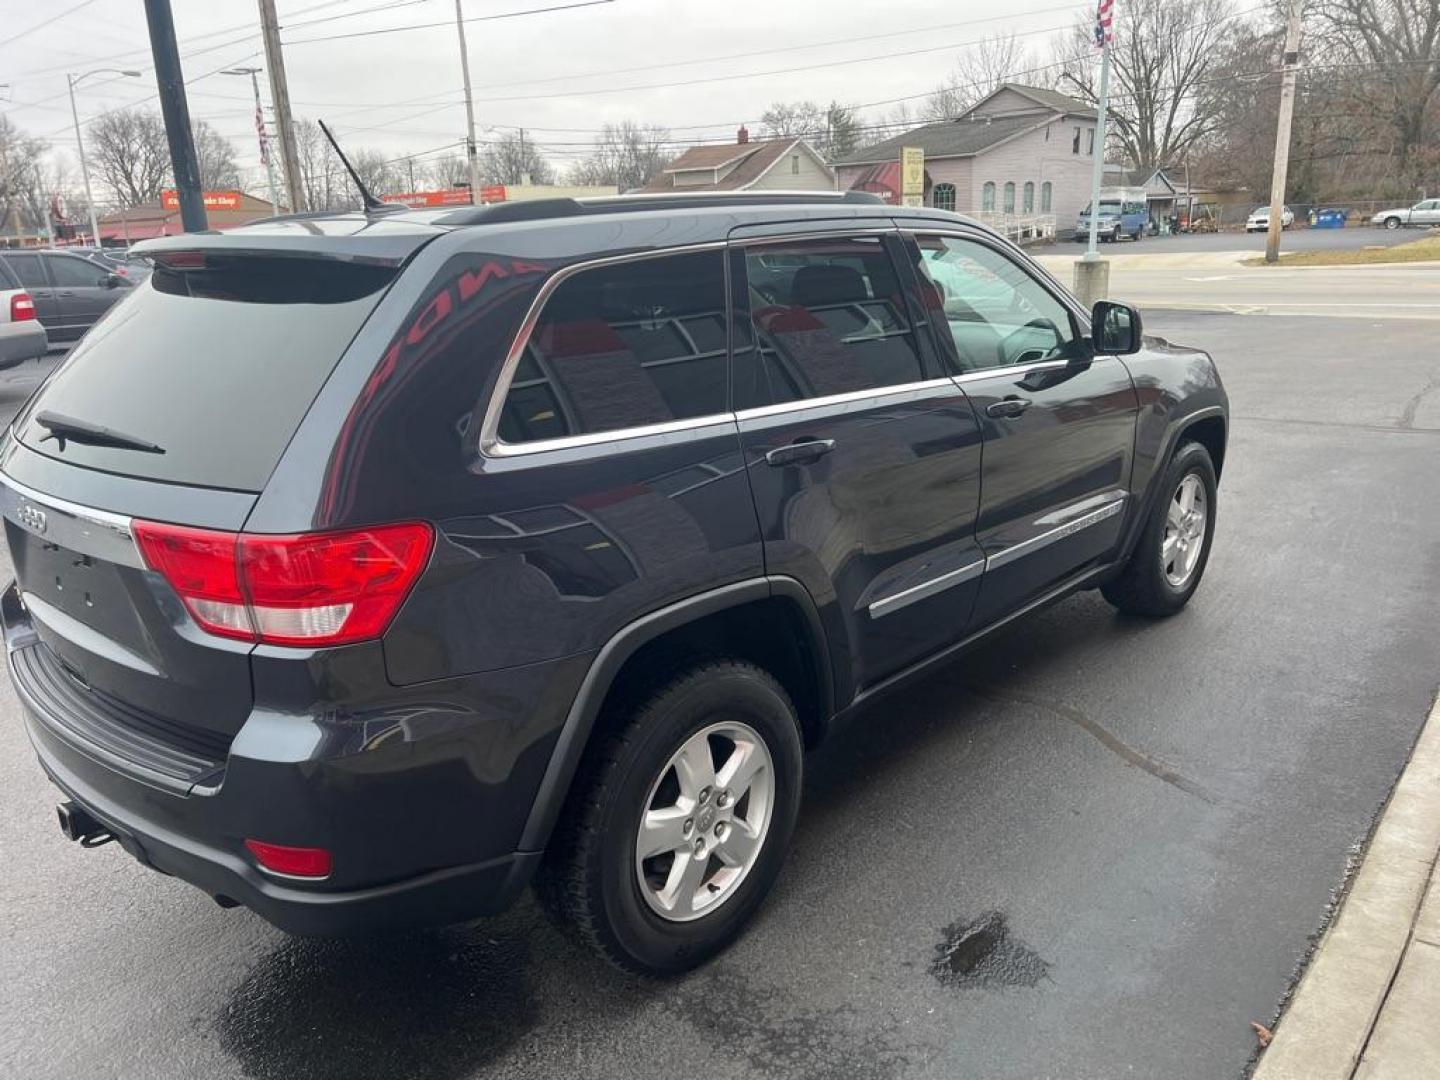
{"type": "Point", "coordinates": [471, 152]}
{"type": "Point", "coordinates": [73, 81]}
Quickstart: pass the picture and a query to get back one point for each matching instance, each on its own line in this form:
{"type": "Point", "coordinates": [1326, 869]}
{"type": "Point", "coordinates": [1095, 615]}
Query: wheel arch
{"type": "Point", "coordinates": [771, 621]}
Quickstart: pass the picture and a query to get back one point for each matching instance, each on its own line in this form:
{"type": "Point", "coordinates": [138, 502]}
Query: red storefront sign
{"type": "Point", "coordinates": [214, 200]}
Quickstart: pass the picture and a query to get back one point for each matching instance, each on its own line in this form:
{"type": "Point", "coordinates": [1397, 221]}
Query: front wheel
{"type": "Point", "coordinates": [678, 829]}
{"type": "Point", "coordinates": [1169, 559]}
{"type": "Point", "coordinates": [1392, 223]}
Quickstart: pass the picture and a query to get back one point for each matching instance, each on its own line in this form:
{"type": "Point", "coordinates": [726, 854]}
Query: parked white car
{"type": "Point", "coordinates": [1259, 219]}
{"type": "Point", "coordinates": [1425, 212]}
{"type": "Point", "coordinates": [21, 335]}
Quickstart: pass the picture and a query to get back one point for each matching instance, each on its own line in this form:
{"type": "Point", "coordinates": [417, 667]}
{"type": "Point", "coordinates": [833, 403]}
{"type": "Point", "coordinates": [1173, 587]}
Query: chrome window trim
{"type": "Point", "coordinates": [780, 408]}
{"type": "Point", "coordinates": [1115, 502]}
{"type": "Point", "coordinates": [491, 445]}
{"type": "Point", "coordinates": [1018, 369]}
{"type": "Point", "coordinates": [905, 597]}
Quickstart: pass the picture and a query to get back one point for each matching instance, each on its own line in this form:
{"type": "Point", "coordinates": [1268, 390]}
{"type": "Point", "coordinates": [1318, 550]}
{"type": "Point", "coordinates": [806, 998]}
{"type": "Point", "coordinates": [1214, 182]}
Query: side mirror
{"type": "Point", "coordinates": [1115, 329]}
{"type": "Point", "coordinates": [112, 281]}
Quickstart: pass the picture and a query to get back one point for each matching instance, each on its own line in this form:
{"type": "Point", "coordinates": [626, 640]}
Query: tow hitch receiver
{"type": "Point", "coordinates": [77, 823]}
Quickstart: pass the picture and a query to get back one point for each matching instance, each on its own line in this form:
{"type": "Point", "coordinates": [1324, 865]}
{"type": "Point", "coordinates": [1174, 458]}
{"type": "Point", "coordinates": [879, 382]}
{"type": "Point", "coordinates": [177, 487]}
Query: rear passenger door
{"type": "Point", "coordinates": [80, 286]}
{"type": "Point", "coordinates": [26, 266]}
{"type": "Point", "coordinates": [1058, 421]}
{"type": "Point", "coordinates": [864, 456]}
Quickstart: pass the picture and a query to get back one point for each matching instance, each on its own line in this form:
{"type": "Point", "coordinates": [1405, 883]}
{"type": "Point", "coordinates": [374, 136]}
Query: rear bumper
{"type": "Point", "coordinates": [22, 341]}
{"type": "Point", "coordinates": [431, 899]}
{"type": "Point", "coordinates": [422, 812]}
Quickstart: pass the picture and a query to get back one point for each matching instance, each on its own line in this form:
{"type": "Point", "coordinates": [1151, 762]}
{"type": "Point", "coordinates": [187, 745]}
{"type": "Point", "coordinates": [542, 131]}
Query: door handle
{"type": "Point", "coordinates": [67, 292]}
{"type": "Point", "coordinates": [800, 452]}
{"type": "Point", "coordinates": [1007, 408]}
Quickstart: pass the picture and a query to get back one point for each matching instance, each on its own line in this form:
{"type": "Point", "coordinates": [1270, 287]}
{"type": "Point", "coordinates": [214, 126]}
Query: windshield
{"type": "Point", "coordinates": [214, 366]}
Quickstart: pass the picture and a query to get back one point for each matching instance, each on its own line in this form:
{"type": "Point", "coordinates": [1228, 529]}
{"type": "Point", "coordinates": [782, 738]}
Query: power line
{"type": "Point", "coordinates": [447, 22]}
{"type": "Point", "coordinates": [53, 19]}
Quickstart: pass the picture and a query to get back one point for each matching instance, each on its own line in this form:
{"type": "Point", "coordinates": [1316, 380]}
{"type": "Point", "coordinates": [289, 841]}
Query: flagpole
{"type": "Point", "coordinates": [1097, 174]}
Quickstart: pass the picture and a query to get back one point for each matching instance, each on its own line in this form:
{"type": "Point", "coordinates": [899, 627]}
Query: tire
{"type": "Point", "coordinates": [1148, 586]}
{"type": "Point", "coordinates": [591, 880]}
{"type": "Point", "coordinates": [1392, 223]}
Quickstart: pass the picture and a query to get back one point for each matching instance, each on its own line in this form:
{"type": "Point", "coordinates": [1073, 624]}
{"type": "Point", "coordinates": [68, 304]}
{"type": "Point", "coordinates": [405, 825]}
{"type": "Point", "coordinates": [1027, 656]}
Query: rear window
{"type": "Point", "coordinates": [216, 363]}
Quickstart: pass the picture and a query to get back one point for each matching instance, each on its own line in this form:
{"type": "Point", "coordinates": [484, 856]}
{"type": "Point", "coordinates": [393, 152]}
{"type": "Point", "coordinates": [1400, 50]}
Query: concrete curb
{"type": "Point", "coordinates": [1355, 990]}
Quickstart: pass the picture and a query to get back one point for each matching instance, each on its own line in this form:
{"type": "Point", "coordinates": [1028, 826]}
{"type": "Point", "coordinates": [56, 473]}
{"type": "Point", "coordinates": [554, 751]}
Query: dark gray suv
{"type": "Point", "coordinates": [71, 292]}
{"type": "Point", "coordinates": [370, 567]}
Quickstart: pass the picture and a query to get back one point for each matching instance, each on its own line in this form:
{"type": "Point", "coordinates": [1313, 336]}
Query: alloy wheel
{"type": "Point", "coordinates": [1185, 520]}
{"type": "Point", "coordinates": [704, 821]}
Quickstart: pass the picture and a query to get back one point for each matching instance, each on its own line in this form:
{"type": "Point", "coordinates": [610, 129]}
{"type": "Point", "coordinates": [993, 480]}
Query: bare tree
{"type": "Point", "coordinates": [792, 119]}
{"type": "Point", "coordinates": [512, 157]}
{"type": "Point", "coordinates": [24, 193]}
{"type": "Point", "coordinates": [449, 170]}
{"type": "Point", "coordinates": [1163, 89]}
{"type": "Point", "coordinates": [1393, 49]}
{"type": "Point", "coordinates": [887, 124]}
{"type": "Point", "coordinates": [219, 169]}
{"type": "Point", "coordinates": [378, 173]}
{"type": "Point", "coordinates": [626, 155]}
{"type": "Point", "coordinates": [321, 174]}
{"type": "Point", "coordinates": [978, 70]}
{"type": "Point", "coordinates": [131, 154]}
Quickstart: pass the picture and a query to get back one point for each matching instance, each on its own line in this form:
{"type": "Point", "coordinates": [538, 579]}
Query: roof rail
{"type": "Point", "coordinates": [539, 209]}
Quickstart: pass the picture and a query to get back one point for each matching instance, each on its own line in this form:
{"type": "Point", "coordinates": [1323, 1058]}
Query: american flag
{"type": "Point", "coordinates": [260, 131]}
{"type": "Point", "coordinates": [1104, 24]}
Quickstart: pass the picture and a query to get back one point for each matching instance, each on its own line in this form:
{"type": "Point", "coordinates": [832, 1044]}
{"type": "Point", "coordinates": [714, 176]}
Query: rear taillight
{"type": "Point", "coordinates": [21, 307]}
{"type": "Point", "coordinates": [308, 589]}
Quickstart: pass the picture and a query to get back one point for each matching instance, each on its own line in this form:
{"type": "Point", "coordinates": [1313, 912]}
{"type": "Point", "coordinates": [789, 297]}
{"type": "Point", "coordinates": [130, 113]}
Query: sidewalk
{"type": "Point", "coordinates": [1368, 1006]}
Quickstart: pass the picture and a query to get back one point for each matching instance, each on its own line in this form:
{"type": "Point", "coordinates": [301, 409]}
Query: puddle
{"type": "Point", "coordinates": [982, 952]}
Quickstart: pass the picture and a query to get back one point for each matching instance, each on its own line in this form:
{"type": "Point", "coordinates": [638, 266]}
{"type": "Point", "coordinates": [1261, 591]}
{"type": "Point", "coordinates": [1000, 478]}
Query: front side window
{"type": "Point", "coordinates": [623, 346]}
{"type": "Point", "coordinates": [825, 316]}
{"type": "Point", "coordinates": [944, 196]}
{"type": "Point", "coordinates": [1046, 197]}
{"type": "Point", "coordinates": [1010, 197]}
{"type": "Point", "coordinates": [987, 197]}
{"type": "Point", "coordinates": [997, 314]}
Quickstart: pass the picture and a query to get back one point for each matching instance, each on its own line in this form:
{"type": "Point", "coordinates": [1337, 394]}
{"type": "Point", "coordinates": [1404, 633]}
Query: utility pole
{"type": "Point", "coordinates": [175, 109]}
{"type": "Point", "coordinates": [1282, 131]}
{"type": "Point", "coordinates": [471, 151]}
{"type": "Point", "coordinates": [280, 95]}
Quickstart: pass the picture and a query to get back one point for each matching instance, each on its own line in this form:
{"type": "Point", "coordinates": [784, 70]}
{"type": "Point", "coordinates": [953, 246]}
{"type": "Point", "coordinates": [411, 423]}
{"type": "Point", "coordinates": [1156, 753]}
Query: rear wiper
{"type": "Point", "coordinates": [62, 428]}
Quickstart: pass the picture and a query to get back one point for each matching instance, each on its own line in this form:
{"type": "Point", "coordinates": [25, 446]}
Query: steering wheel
{"type": "Point", "coordinates": [1029, 355]}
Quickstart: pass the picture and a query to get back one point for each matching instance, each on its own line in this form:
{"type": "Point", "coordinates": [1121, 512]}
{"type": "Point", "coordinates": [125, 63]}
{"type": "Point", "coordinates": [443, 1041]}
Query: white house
{"type": "Point", "coordinates": [1020, 150]}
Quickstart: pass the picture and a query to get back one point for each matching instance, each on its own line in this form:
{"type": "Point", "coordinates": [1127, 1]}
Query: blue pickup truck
{"type": "Point", "coordinates": [1123, 213]}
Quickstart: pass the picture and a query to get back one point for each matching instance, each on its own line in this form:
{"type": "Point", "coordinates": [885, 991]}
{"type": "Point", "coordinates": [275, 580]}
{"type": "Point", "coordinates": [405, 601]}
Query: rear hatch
{"type": "Point", "coordinates": [175, 408]}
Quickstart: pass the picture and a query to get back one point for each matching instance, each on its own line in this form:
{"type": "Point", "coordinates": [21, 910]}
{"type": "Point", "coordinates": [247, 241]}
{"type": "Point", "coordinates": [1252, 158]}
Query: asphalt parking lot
{"type": "Point", "coordinates": [1098, 847]}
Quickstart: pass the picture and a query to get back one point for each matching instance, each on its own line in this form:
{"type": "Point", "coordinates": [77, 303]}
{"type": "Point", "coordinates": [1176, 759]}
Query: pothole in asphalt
{"type": "Point", "coordinates": [982, 952]}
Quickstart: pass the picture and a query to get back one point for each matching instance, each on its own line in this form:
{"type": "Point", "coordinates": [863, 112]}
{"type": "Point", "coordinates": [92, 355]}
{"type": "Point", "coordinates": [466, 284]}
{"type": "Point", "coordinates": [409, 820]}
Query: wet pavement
{"type": "Point", "coordinates": [1097, 847]}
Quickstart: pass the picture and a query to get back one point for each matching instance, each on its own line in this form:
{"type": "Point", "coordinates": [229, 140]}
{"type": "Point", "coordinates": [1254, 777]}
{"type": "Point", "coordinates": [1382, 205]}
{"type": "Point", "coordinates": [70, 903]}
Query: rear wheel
{"type": "Point", "coordinates": [675, 834]}
{"type": "Point", "coordinates": [1170, 557]}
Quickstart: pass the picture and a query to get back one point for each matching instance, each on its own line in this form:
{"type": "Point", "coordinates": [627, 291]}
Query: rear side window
{"type": "Point", "coordinates": [622, 346]}
{"type": "Point", "coordinates": [216, 363]}
{"type": "Point", "coordinates": [827, 316]}
{"type": "Point", "coordinates": [28, 269]}
{"type": "Point", "coordinates": [72, 272]}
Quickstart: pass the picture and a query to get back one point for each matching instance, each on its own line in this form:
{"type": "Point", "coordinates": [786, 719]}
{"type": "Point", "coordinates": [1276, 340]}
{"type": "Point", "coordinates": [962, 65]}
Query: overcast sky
{"type": "Point", "coordinates": [559, 74]}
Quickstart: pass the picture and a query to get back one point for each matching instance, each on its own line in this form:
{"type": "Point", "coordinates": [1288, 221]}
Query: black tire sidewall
{"type": "Point", "coordinates": [1190, 458]}
{"type": "Point", "coordinates": [733, 692]}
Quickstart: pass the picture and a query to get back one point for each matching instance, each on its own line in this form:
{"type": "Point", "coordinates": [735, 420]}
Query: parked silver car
{"type": "Point", "coordinates": [1425, 212]}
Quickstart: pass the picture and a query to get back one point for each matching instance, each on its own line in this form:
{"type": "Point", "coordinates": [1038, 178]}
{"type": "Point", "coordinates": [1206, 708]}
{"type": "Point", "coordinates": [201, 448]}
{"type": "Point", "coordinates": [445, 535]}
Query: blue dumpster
{"type": "Point", "coordinates": [1331, 219]}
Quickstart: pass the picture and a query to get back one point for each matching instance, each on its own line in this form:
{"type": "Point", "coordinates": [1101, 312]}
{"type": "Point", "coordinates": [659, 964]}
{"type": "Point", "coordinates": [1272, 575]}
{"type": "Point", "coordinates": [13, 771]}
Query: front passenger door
{"type": "Point", "coordinates": [1058, 422]}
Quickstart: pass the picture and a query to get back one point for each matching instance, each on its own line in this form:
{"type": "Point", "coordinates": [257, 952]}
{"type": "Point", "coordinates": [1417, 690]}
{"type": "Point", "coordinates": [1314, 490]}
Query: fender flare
{"type": "Point", "coordinates": [623, 644]}
{"type": "Point", "coordinates": [1172, 439]}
